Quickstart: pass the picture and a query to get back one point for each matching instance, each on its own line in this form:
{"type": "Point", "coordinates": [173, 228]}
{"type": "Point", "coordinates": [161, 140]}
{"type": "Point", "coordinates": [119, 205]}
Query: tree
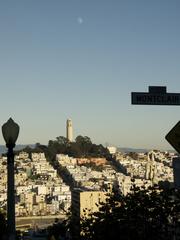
{"type": "Point", "coordinates": [39, 148]}
{"type": "Point", "coordinates": [143, 214]}
{"type": "Point", "coordinates": [84, 144]}
{"type": "Point", "coordinates": [57, 230]}
{"type": "Point", "coordinates": [82, 147]}
{"type": "Point", "coordinates": [27, 149]}
{"type": "Point", "coordinates": [62, 140]}
{"type": "Point", "coordinates": [56, 146]}
{"type": "Point", "coordinates": [3, 226]}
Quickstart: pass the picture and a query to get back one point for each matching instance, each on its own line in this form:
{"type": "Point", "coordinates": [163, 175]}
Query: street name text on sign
{"type": "Point", "coordinates": [156, 96]}
{"type": "Point", "coordinates": [173, 137]}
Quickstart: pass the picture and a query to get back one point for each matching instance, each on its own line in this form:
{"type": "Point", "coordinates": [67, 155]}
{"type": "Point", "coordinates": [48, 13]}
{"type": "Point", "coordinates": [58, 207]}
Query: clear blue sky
{"type": "Point", "coordinates": [81, 59]}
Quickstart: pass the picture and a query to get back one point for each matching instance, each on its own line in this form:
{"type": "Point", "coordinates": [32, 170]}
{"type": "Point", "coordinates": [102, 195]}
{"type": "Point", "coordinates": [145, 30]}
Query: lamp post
{"type": "Point", "coordinates": [10, 131]}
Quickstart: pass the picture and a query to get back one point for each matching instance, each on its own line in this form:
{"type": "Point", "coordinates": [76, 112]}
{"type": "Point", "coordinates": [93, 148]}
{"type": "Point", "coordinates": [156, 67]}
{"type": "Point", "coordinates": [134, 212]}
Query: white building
{"type": "Point", "coordinates": [112, 150]}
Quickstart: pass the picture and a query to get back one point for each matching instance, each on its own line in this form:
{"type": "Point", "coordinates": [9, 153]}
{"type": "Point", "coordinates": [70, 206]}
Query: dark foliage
{"type": "Point", "coordinates": [57, 230]}
{"type": "Point", "coordinates": [3, 226]}
{"type": "Point", "coordinates": [82, 147]}
{"type": "Point", "coordinates": [151, 214]}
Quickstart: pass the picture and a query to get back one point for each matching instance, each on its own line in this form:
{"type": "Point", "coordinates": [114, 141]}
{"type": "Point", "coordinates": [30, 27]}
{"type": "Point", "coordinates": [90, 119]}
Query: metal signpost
{"type": "Point", "coordinates": [155, 96]}
{"type": "Point", "coordinates": [159, 96]}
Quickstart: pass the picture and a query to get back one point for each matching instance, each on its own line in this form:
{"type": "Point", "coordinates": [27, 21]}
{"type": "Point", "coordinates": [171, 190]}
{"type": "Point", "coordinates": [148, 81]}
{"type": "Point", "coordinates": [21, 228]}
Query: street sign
{"type": "Point", "coordinates": [157, 95]}
{"type": "Point", "coordinates": [173, 137]}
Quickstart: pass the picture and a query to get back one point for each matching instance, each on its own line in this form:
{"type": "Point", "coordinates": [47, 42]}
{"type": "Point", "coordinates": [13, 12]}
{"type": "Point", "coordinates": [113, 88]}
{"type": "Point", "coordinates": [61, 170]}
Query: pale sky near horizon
{"type": "Point", "coordinates": [81, 59]}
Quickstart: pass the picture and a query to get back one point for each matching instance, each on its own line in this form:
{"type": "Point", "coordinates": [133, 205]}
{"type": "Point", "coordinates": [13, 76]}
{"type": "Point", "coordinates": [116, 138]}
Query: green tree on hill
{"type": "Point", "coordinates": [81, 147]}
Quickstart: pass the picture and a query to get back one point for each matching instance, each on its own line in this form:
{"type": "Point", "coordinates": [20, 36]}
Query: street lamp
{"type": "Point", "coordinates": [10, 131]}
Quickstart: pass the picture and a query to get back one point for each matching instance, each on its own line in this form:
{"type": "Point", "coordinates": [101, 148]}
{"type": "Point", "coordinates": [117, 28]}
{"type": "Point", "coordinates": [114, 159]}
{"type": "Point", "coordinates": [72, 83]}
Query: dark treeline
{"type": "Point", "coordinates": [3, 226]}
{"type": "Point", "coordinates": [143, 214]}
{"type": "Point", "coordinates": [81, 147]}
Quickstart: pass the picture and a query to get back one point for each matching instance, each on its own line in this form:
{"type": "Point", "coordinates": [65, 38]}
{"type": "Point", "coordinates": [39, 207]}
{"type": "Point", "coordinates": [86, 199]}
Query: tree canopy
{"type": "Point", "coordinates": [3, 225]}
{"type": "Point", "coordinates": [143, 214]}
{"type": "Point", "coordinates": [81, 147]}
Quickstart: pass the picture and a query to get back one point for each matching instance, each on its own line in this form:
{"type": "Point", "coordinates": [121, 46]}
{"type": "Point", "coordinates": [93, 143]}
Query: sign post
{"type": "Point", "coordinates": [159, 96]}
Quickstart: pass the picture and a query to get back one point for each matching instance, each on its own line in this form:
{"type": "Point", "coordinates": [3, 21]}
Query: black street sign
{"type": "Point", "coordinates": [173, 137]}
{"type": "Point", "coordinates": [155, 96]}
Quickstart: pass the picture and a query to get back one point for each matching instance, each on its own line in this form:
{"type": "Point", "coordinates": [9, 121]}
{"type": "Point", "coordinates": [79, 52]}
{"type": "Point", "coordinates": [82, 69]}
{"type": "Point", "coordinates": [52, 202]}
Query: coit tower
{"type": "Point", "coordinates": [69, 130]}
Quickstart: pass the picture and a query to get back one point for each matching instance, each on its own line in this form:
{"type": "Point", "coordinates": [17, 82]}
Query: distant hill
{"type": "Point", "coordinates": [3, 148]}
{"type": "Point", "coordinates": [127, 150]}
{"type": "Point", "coordinates": [138, 150]}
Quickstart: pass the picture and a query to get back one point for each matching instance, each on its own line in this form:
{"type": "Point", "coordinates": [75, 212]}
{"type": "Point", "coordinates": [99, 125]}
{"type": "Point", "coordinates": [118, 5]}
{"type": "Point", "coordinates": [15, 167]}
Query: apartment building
{"type": "Point", "coordinates": [83, 203]}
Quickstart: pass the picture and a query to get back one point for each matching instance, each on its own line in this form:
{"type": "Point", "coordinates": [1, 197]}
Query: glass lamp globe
{"type": "Point", "coordinates": [10, 131]}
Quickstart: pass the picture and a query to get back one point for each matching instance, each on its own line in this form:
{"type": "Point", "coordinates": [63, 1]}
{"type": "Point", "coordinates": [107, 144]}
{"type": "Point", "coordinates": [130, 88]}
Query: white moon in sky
{"type": "Point", "coordinates": [80, 20]}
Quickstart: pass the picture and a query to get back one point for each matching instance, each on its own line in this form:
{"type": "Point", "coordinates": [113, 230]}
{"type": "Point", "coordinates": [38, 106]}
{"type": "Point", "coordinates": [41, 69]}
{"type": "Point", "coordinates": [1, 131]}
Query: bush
{"type": "Point", "coordinates": [143, 214]}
